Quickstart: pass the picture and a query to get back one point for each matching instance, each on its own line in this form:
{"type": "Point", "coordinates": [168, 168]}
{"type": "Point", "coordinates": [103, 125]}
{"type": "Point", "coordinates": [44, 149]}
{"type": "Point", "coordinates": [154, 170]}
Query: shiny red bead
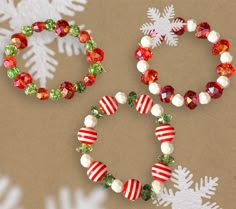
{"type": "Point", "coordinates": [220, 47]}
{"type": "Point", "coordinates": [166, 94]}
{"type": "Point", "coordinates": [149, 76]}
{"type": "Point", "coordinates": [38, 26]}
{"type": "Point", "coordinates": [181, 31]}
{"type": "Point", "coordinates": [67, 90]}
{"type": "Point", "coordinates": [84, 36]}
{"type": "Point", "coordinates": [214, 90]}
{"type": "Point", "coordinates": [89, 80]}
{"type": "Point", "coordinates": [202, 30]}
{"type": "Point", "coordinates": [143, 53]}
{"type": "Point", "coordinates": [95, 56]}
{"type": "Point", "coordinates": [42, 94]}
{"type": "Point", "coordinates": [225, 69]}
{"type": "Point", "coordinates": [9, 62]}
{"type": "Point", "coordinates": [62, 28]}
{"type": "Point", "coordinates": [19, 40]}
{"type": "Point", "coordinates": [22, 80]}
{"type": "Point", "coordinates": [191, 99]}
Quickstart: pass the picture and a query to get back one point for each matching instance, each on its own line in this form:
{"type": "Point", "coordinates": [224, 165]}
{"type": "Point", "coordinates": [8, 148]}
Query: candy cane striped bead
{"type": "Point", "coordinates": [97, 171]}
{"type": "Point", "coordinates": [165, 133]}
{"type": "Point", "coordinates": [87, 135]}
{"type": "Point", "coordinates": [161, 172]}
{"type": "Point", "coordinates": [108, 105]}
{"type": "Point", "coordinates": [132, 189]}
{"type": "Point", "coordinates": [144, 104]}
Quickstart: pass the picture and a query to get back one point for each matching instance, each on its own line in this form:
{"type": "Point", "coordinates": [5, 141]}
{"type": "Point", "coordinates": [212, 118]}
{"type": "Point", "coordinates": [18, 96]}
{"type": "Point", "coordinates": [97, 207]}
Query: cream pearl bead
{"type": "Point", "coordinates": [213, 36]}
{"type": "Point", "coordinates": [191, 25]}
{"type": "Point", "coordinates": [117, 186]}
{"type": "Point", "coordinates": [142, 66]}
{"type": "Point", "coordinates": [146, 41]}
{"type": "Point", "coordinates": [157, 187]}
{"type": "Point", "coordinates": [154, 88]}
{"type": "Point", "coordinates": [90, 121]}
{"type": "Point", "coordinates": [86, 160]}
{"type": "Point", "coordinates": [167, 148]}
{"type": "Point", "coordinates": [204, 98]}
{"type": "Point", "coordinates": [121, 97]}
{"type": "Point", "coordinates": [226, 57]}
{"type": "Point", "coordinates": [178, 100]}
{"type": "Point", "coordinates": [157, 110]}
{"type": "Point", "coordinates": [223, 81]}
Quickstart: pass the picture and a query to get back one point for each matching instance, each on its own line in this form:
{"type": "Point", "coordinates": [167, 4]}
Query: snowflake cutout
{"type": "Point", "coordinates": [187, 197]}
{"type": "Point", "coordinates": [162, 26]}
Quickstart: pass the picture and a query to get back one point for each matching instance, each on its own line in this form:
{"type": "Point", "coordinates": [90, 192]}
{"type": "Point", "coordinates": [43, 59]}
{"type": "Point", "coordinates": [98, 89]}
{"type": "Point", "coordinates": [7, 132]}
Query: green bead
{"type": "Point", "coordinates": [132, 98]}
{"type": "Point", "coordinates": [11, 50]}
{"type": "Point", "coordinates": [50, 25]}
{"type": "Point", "coordinates": [167, 159]}
{"type": "Point", "coordinates": [31, 89]}
{"type": "Point", "coordinates": [27, 31]}
{"type": "Point", "coordinates": [74, 30]}
{"type": "Point", "coordinates": [95, 69]}
{"type": "Point", "coordinates": [90, 45]}
{"type": "Point", "coordinates": [97, 112]}
{"type": "Point", "coordinates": [80, 87]}
{"type": "Point", "coordinates": [146, 192]}
{"type": "Point", "coordinates": [84, 148]}
{"type": "Point", "coordinates": [55, 94]}
{"type": "Point", "coordinates": [164, 119]}
{"type": "Point", "coordinates": [13, 72]}
{"type": "Point", "coordinates": [107, 180]}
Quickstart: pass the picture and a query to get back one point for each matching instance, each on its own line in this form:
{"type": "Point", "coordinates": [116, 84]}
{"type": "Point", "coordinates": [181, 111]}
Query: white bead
{"type": "Point", "coordinates": [204, 98]}
{"type": "Point", "coordinates": [157, 187]}
{"type": "Point", "coordinates": [178, 100]}
{"type": "Point", "coordinates": [142, 66]}
{"type": "Point", "coordinates": [146, 41]}
{"type": "Point", "coordinates": [86, 160]}
{"type": "Point", "coordinates": [223, 81]}
{"type": "Point", "coordinates": [191, 25]}
{"type": "Point", "coordinates": [154, 88]}
{"type": "Point", "coordinates": [213, 36]}
{"type": "Point", "coordinates": [226, 57]}
{"type": "Point", "coordinates": [90, 121]}
{"type": "Point", "coordinates": [157, 110]}
{"type": "Point", "coordinates": [121, 97]}
{"type": "Point", "coordinates": [117, 186]}
{"type": "Point", "coordinates": [167, 148]}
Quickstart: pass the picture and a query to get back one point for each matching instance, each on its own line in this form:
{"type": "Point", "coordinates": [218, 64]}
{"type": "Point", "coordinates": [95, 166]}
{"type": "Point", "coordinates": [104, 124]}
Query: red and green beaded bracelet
{"type": "Point", "coordinates": [165, 133]}
{"type": "Point", "coordinates": [66, 90]}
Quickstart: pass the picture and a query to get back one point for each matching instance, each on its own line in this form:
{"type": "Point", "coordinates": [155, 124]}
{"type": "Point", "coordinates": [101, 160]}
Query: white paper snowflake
{"type": "Point", "coordinates": [40, 58]}
{"type": "Point", "coordinates": [187, 197]}
{"type": "Point", "coordinates": [162, 26]}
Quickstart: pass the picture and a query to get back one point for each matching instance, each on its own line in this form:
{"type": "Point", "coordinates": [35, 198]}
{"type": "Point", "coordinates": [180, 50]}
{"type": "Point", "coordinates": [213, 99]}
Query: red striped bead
{"type": "Point", "coordinates": [132, 189]}
{"type": "Point", "coordinates": [87, 135]}
{"type": "Point", "coordinates": [165, 133]}
{"type": "Point", "coordinates": [144, 104]}
{"type": "Point", "coordinates": [161, 172]}
{"type": "Point", "coordinates": [108, 105]}
{"type": "Point", "coordinates": [97, 171]}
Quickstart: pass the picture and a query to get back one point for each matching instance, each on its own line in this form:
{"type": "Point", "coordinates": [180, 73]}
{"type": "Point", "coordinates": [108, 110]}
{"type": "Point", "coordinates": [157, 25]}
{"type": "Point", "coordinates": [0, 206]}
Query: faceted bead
{"type": "Point", "coordinates": [50, 25]}
{"type": "Point", "coordinates": [107, 180]}
{"type": "Point", "coordinates": [183, 29]}
{"type": "Point", "coordinates": [84, 36]}
{"type": "Point", "coordinates": [22, 80]}
{"type": "Point", "coordinates": [164, 119]}
{"type": "Point", "coordinates": [225, 69]}
{"type": "Point", "coordinates": [95, 69]}
{"type": "Point", "coordinates": [149, 76]}
{"type": "Point", "coordinates": [132, 98]}
{"type": "Point", "coordinates": [143, 54]}
{"type": "Point", "coordinates": [214, 90]}
{"type": "Point", "coordinates": [19, 40]}
{"type": "Point", "coordinates": [84, 148]}
{"type": "Point", "coordinates": [38, 26]}
{"type": "Point", "coordinates": [90, 45]}
{"type": "Point", "coordinates": [202, 30]}
{"type": "Point", "coordinates": [220, 47]}
{"type": "Point", "coordinates": [166, 94]}
{"type": "Point", "coordinates": [97, 112]}
{"type": "Point", "coordinates": [11, 50]}
{"type": "Point", "coordinates": [55, 94]}
{"type": "Point", "coordinates": [13, 72]}
{"type": "Point", "coordinates": [80, 87]}
{"type": "Point", "coordinates": [89, 80]}
{"type": "Point", "coordinates": [191, 99]}
{"type": "Point", "coordinates": [74, 30]}
{"type": "Point", "coordinates": [27, 31]}
{"type": "Point", "coordinates": [9, 62]}
{"type": "Point", "coordinates": [62, 28]}
{"type": "Point", "coordinates": [167, 159]}
{"type": "Point", "coordinates": [31, 89]}
{"type": "Point", "coordinates": [67, 90]}
{"type": "Point", "coordinates": [146, 192]}
{"type": "Point", "coordinates": [42, 94]}
{"type": "Point", "coordinates": [95, 56]}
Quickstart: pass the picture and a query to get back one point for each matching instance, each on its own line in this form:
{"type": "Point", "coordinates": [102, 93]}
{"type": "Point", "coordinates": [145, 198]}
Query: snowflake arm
{"type": "Point", "coordinates": [169, 12]}
{"type": "Point", "coordinates": [147, 28]}
{"type": "Point", "coordinates": [171, 39]}
{"type": "Point", "coordinates": [166, 197]}
{"type": "Point", "coordinates": [7, 10]}
{"type": "Point", "coordinates": [177, 24]}
{"type": "Point", "coordinates": [209, 205]}
{"type": "Point", "coordinates": [153, 14]}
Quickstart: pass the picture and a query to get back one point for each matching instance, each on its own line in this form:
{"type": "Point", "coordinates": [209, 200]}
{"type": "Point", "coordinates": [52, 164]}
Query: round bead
{"type": "Point", "coordinates": [96, 171]}
{"type": "Point", "coordinates": [149, 76]}
{"type": "Point", "coordinates": [89, 80]}
{"type": "Point", "coordinates": [225, 69]}
{"type": "Point", "coordinates": [165, 133]}
{"type": "Point", "coordinates": [157, 187]}
{"type": "Point", "coordinates": [146, 41]}
{"type": "Point", "coordinates": [166, 94]}
{"type": "Point", "coordinates": [181, 31]}
{"type": "Point", "coordinates": [167, 148]}
{"type": "Point", "coordinates": [38, 26]}
{"type": "Point", "coordinates": [157, 110]}
{"type": "Point", "coordinates": [108, 105]}
{"type": "Point", "coordinates": [161, 172]}
{"type": "Point", "coordinates": [178, 100]}
{"type": "Point", "coordinates": [62, 28]}
{"type": "Point", "coordinates": [117, 186]}
{"type": "Point", "coordinates": [223, 81]}
{"type": "Point", "coordinates": [67, 90]}
{"type": "Point", "coordinates": [191, 25]}
{"type": "Point", "coordinates": [226, 57]}
{"type": "Point", "coordinates": [220, 47]}
{"type": "Point", "coordinates": [90, 121]}
{"type": "Point", "coordinates": [95, 56]}
{"type": "Point", "coordinates": [154, 88]}
{"type": "Point", "coordinates": [84, 36]}
{"type": "Point", "coordinates": [213, 36]}
{"type": "Point", "coordinates": [87, 135]}
{"type": "Point", "coordinates": [86, 160]}
{"type": "Point", "coordinates": [214, 90]}
{"type": "Point", "coordinates": [142, 66]}
{"type": "Point", "coordinates": [9, 62]}
{"type": "Point", "coordinates": [144, 104]}
{"type": "Point", "coordinates": [42, 94]}
{"type": "Point", "coordinates": [22, 80]}
{"type": "Point", "coordinates": [202, 30]}
{"type": "Point", "coordinates": [143, 53]}
{"type": "Point", "coordinates": [132, 189]}
{"type": "Point", "coordinates": [204, 98]}
{"type": "Point", "coordinates": [19, 40]}
{"type": "Point", "coordinates": [121, 97]}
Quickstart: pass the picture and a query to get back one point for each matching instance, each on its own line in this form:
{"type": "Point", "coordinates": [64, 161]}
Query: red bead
{"type": "Point", "coordinates": [22, 80]}
{"type": "Point", "coordinates": [19, 40]}
{"type": "Point", "coordinates": [220, 47]}
{"type": "Point", "coordinates": [62, 28]}
{"type": "Point", "coordinates": [38, 26]}
{"type": "Point", "coordinates": [67, 90]}
{"type": "Point", "coordinates": [89, 80]}
{"type": "Point", "coordinates": [166, 94]}
{"type": "Point", "coordinates": [9, 62]}
{"type": "Point", "coordinates": [225, 69]}
{"type": "Point", "coordinates": [96, 171]}
{"type": "Point", "coordinates": [165, 133]}
{"type": "Point", "coordinates": [214, 90]}
{"type": "Point", "coordinates": [87, 135]}
{"type": "Point", "coordinates": [42, 94]}
{"type": "Point", "coordinates": [132, 189]}
{"type": "Point", "coordinates": [143, 53]}
{"type": "Point", "coordinates": [108, 105]}
{"type": "Point", "coordinates": [144, 104]}
{"type": "Point", "coordinates": [95, 56]}
{"type": "Point", "coordinates": [149, 76]}
{"type": "Point", "coordinates": [84, 36]}
{"type": "Point", "coordinates": [161, 172]}
{"type": "Point", "coordinates": [181, 31]}
{"type": "Point", "coordinates": [202, 30]}
{"type": "Point", "coordinates": [191, 99]}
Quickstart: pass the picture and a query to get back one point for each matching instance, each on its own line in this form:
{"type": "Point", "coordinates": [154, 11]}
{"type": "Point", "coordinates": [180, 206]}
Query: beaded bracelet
{"type": "Point", "coordinates": [165, 133]}
{"type": "Point", "coordinates": [191, 99]}
{"type": "Point", "coordinates": [66, 90]}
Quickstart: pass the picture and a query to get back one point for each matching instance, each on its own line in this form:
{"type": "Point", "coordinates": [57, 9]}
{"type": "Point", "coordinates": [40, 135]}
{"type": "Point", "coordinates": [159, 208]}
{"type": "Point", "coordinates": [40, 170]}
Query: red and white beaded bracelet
{"type": "Point", "coordinates": [191, 99]}
{"type": "Point", "coordinates": [165, 133]}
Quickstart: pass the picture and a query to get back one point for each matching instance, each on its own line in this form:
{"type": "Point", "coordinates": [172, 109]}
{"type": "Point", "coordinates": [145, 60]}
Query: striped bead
{"type": "Point", "coordinates": [97, 171]}
{"type": "Point", "coordinates": [144, 104]}
{"type": "Point", "coordinates": [108, 105]}
{"type": "Point", "coordinates": [132, 189]}
{"type": "Point", "coordinates": [165, 133]}
{"type": "Point", "coordinates": [161, 172]}
{"type": "Point", "coordinates": [87, 135]}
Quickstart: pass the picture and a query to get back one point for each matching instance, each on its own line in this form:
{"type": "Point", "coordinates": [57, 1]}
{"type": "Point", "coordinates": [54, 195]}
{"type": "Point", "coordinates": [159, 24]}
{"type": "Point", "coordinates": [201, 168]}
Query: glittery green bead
{"type": "Point", "coordinates": [167, 159]}
{"type": "Point", "coordinates": [107, 180]}
{"type": "Point", "coordinates": [55, 94]}
{"type": "Point", "coordinates": [97, 112]}
{"type": "Point", "coordinates": [80, 87]}
{"type": "Point", "coordinates": [11, 50]}
{"type": "Point", "coordinates": [27, 31]}
{"type": "Point", "coordinates": [50, 25]}
{"type": "Point", "coordinates": [90, 45]}
{"type": "Point", "coordinates": [146, 192]}
{"type": "Point", "coordinates": [164, 119]}
{"type": "Point", "coordinates": [84, 148]}
{"type": "Point", "coordinates": [13, 72]}
{"type": "Point", "coordinates": [132, 98]}
{"type": "Point", "coordinates": [31, 89]}
{"type": "Point", "coordinates": [95, 69]}
{"type": "Point", "coordinates": [74, 30]}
